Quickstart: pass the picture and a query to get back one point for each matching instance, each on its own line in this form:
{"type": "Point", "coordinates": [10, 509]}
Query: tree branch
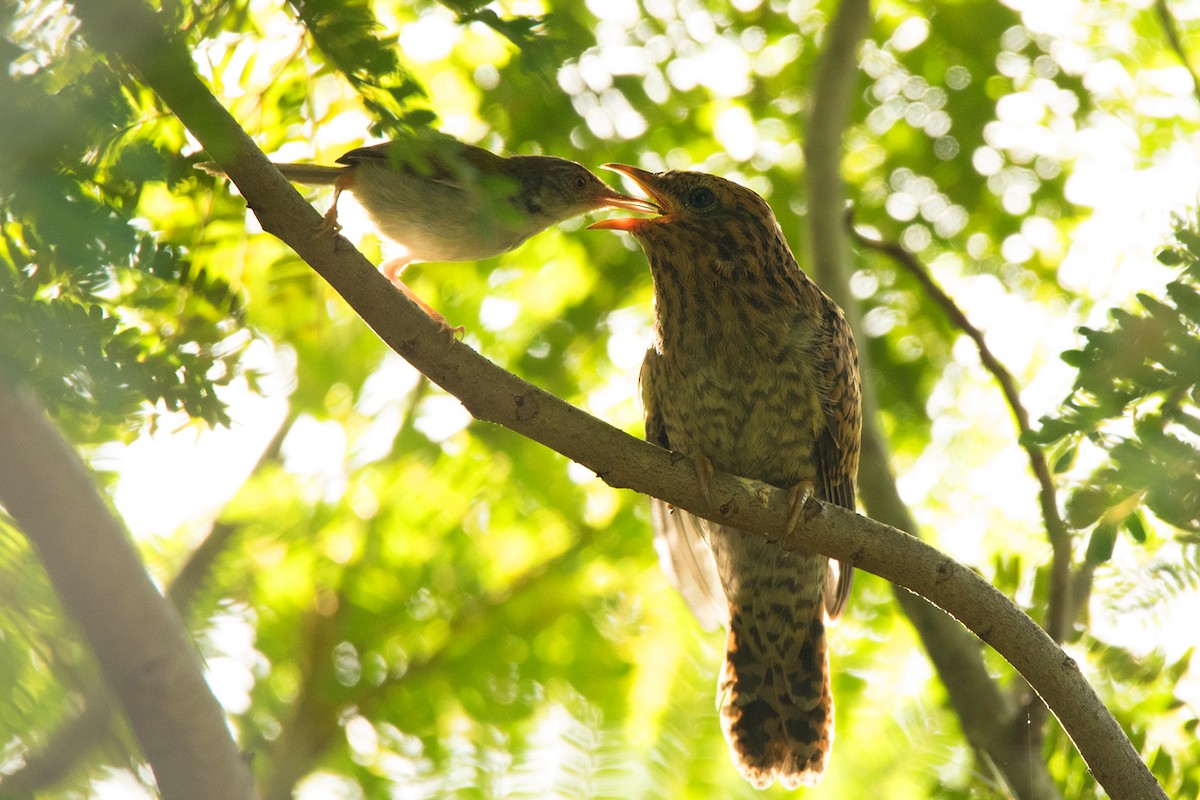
{"type": "Point", "coordinates": [312, 724]}
{"type": "Point", "coordinates": [491, 394]}
{"type": "Point", "coordinates": [75, 738]}
{"type": "Point", "coordinates": [312, 727]}
{"type": "Point", "coordinates": [1061, 607]}
{"type": "Point", "coordinates": [142, 647]}
{"type": "Point", "coordinates": [69, 744]}
{"type": "Point", "coordinates": [1171, 31]}
{"type": "Point", "coordinates": [986, 714]}
{"type": "Point", "coordinates": [1059, 610]}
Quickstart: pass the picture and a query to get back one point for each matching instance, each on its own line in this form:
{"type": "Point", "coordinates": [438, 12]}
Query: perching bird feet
{"type": "Point", "coordinates": [802, 509]}
{"type": "Point", "coordinates": [330, 226]}
{"type": "Point", "coordinates": [704, 476]}
{"type": "Point", "coordinates": [391, 270]}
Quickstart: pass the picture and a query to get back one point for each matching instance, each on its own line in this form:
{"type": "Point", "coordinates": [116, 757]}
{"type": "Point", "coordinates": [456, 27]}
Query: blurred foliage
{"type": "Point", "coordinates": [410, 602]}
{"type": "Point", "coordinates": [101, 316]}
{"type": "Point", "coordinates": [1149, 686]}
{"type": "Point", "coordinates": [1142, 372]}
{"type": "Point", "coordinates": [344, 33]}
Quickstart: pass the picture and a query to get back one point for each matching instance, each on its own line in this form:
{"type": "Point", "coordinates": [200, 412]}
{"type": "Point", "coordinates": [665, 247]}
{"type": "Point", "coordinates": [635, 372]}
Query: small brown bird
{"type": "Point", "coordinates": [753, 371]}
{"type": "Point", "coordinates": [440, 199]}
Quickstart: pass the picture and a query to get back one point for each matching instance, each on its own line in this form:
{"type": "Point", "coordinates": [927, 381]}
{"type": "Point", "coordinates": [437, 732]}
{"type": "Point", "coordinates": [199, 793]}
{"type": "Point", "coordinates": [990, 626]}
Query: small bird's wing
{"type": "Point", "coordinates": [838, 446]}
{"type": "Point", "coordinates": [443, 159]}
{"type": "Point", "coordinates": [374, 152]}
{"type": "Point", "coordinates": [679, 537]}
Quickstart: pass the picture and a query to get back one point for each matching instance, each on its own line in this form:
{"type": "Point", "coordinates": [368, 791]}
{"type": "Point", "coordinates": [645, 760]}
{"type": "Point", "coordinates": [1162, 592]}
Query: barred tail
{"type": "Point", "coordinates": [776, 703]}
{"type": "Point", "coordinates": [774, 692]}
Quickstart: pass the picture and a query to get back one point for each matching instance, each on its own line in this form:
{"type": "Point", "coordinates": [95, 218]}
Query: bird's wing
{"type": "Point", "coordinates": [838, 446]}
{"type": "Point", "coordinates": [680, 538]}
{"type": "Point", "coordinates": [374, 152]}
{"type": "Point", "coordinates": [441, 159]}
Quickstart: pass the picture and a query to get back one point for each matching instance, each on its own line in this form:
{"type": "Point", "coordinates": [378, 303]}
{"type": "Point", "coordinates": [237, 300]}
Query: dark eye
{"type": "Point", "coordinates": [581, 181]}
{"type": "Point", "coordinates": [701, 198]}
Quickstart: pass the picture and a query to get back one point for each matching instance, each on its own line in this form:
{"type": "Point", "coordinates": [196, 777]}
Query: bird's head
{"type": "Point", "coordinates": [705, 226]}
{"type": "Point", "coordinates": [555, 189]}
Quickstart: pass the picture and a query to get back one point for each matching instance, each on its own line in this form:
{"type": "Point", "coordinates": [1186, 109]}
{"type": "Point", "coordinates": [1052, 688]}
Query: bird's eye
{"type": "Point", "coordinates": [581, 181]}
{"type": "Point", "coordinates": [701, 198]}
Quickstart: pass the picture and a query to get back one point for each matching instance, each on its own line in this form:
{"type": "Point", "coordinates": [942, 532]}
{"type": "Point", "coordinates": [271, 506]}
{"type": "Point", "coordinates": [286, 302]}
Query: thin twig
{"type": "Point", "coordinates": [1058, 606]}
{"type": "Point", "coordinates": [309, 730]}
{"type": "Point", "coordinates": [1171, 31]}
{"type": "Point", "coordinates": [409, 417]}
{"type": "Point", "coordinates": [983, 710]}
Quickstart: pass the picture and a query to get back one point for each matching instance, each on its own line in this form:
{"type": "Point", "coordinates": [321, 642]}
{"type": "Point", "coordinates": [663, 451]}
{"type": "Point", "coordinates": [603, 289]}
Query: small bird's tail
{"type": "Point", "coordinates": [311, 174]}
{"type": "Point", "coordinates": [776, 702]}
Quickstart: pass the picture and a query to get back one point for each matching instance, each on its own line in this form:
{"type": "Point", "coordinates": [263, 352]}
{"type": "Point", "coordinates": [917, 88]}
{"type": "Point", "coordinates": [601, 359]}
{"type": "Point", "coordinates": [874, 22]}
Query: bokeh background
{"type": "Point", "coordinates": [395, 600]}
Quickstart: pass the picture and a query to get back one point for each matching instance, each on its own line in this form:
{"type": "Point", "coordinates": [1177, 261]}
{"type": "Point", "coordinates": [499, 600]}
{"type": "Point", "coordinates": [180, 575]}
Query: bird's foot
{"type": "Point", "coordinates": [704, 476]}
{"type": "Point", "coordinates": [392, 268]}
{"type": "Point", "coordinates": [330, 225]}
{"type": "Point", "coordinates": [457, 330]}
{"type": "Point", "coordinates": [802, 509]}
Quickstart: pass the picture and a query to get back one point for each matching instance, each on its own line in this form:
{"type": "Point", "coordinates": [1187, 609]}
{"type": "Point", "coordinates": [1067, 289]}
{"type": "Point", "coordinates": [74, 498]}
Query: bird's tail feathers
{"type": "Point", "coordinates": [777, 712]}
{"type": "Point", "coordinates": [310, 174]}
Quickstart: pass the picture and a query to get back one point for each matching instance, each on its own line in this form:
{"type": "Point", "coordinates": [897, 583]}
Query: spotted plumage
{"type": "Point", "coordinates": [753, 370]}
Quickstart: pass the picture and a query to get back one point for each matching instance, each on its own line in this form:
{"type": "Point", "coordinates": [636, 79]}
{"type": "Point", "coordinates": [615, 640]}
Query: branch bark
{"type": "Point", "coordinates": [988, 716]}
{"type": "Point", "coordinates": [129, 29]}
{"type": "Point", "coordinates": [141, 644]}
{"type": "Point", "coordinates": [76, 738]}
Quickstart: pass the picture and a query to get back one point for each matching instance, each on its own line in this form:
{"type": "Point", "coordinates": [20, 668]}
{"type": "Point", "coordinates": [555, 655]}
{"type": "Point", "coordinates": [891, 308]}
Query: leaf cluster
{"type": "Point", "coordinates": [1148, 684]}
{"type": "Point", "coordinates": [345, 33]}
{"type": "Point", "coordinates": [1137, 397]}
{"type": "Point", "coordinates": [102, 317]}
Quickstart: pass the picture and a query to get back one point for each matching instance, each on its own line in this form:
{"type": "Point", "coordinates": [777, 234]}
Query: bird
{"type": "Point", "coordinates": [753, 371]}
{"type": "Point", "coordinates": [440, 199]}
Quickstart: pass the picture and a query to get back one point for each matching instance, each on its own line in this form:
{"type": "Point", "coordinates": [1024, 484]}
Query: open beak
{"type": "Point", "coordinates": [613, 199]}
{"type": "Point", "coordinates": [655, 205]}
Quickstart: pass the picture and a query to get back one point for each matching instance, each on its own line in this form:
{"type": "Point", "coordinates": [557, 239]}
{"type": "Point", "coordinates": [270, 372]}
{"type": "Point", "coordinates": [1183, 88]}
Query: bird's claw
{"type": "Point", "coordinates": [457, 330]}
{"type": "Point", "coordinates": [801, 511]}
{"type": "Point", "coordinates": [704, 476]}
{"type": "Point", "coordinates": [330, 225]}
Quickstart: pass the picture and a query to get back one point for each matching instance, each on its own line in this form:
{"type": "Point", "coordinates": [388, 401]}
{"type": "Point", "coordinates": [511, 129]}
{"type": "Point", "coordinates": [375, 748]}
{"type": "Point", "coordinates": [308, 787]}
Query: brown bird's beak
{"type": "Point", "coordinates": [646, 181]}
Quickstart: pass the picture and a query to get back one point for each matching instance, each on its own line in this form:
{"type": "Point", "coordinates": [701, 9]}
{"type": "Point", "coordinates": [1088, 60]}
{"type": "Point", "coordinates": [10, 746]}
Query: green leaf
{"type": "Point", "coordinates": [1074, 358]}
{"type": "Point", "coordinates": [1086, 505]}
{"type": "Point", "coordinates": [1135, 526]}
{"type": "Point", "coordinates": [1100, 544]}
{"type": "Point", "coordinates": [1190, 240]}
{"type": "Point", "coordinates": [1065, 460]}
{"type": "Point", "coordinates": [1169, 257]}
